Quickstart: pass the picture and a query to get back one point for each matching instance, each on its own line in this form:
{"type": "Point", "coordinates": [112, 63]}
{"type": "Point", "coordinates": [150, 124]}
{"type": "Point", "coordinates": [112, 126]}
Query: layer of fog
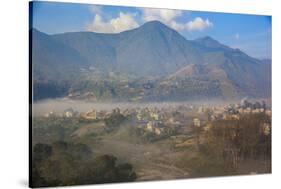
{"type": "Point", "coordinates": [60, 105]}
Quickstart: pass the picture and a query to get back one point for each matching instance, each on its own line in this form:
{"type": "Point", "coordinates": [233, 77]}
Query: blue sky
{"type": "Point", "coordinates": [250, 33]}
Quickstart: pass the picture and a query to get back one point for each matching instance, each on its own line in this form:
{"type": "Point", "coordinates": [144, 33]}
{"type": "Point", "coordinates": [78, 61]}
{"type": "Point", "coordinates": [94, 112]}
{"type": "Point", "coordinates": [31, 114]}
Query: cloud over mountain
{"type": "Point", "coordinates": [124, 21]}
{"type": "Point", "coordinates": [129, 20]}
{"type": "Point", "coordinates": [163, 15]}
{"type": "Point", "coordinates": [198, 24]}
{"type": "Point", "coordinates": [169, 17]}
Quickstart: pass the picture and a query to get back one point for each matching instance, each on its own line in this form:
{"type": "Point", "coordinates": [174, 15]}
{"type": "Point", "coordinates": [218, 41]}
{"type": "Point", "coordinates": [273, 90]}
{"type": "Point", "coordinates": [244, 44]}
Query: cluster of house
{"type": "Point", "coordinates": [94, 114]}
{"type": "Point", "coordinates": [247, 108]}
{"type": "Point", "coordinates": [89, 115]}
{"type": "Point", "coordinates": [151, 119]}
{"type": "Point", "coordinates": [233, 111]}
{"type": "Point", "coordinates": [156, 120]}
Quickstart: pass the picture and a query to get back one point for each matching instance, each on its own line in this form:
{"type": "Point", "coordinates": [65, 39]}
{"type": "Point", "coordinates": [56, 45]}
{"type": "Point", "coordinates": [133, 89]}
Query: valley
{"type": "Point", "coordinates": [164, 140]}
{"type": "Point", "coordinates": [146, 104]}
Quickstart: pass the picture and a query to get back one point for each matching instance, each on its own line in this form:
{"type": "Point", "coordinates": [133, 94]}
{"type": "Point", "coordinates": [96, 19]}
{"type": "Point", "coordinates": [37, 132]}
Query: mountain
{"type": "Point", "coordinates": [98, 49]}
{"type": "Point", "coordinates": [238, 73]}
{"type": "Point", "coordinates": [152, 51]}
{"type": "Point", "coordinates": [247, 75]}
{"type": "Point", "coordinates": [52, 59]}
{"type": "Point", "coordinates": [209, 44]}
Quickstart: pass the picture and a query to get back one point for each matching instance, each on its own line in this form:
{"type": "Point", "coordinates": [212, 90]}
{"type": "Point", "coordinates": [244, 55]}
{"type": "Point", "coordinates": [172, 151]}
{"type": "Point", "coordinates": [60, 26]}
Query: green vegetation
{"type": "Point", "coordinates": [48, 130]}
{"type": "Point", "coordinates": [114, 121]}
{"type": "Point", "coordinates": [63, 164]}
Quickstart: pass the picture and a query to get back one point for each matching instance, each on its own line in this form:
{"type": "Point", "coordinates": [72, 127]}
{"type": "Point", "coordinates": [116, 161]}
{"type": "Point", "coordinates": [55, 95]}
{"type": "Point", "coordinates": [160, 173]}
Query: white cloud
{"type": "Point", "coordinates": [127, 21]}
{"type": "Point", "coordinates": [163, 15]}
{"type": "Point", "coordinates": [168, 17]}
{"type": "Point", "coordinates": [177, 26]}
{"type": "Point", "coordinates": [124, 21]}
{"type": "Point", "coordinates": [237, 36]}
{"type": "Point", "coordinates": [198, 24]}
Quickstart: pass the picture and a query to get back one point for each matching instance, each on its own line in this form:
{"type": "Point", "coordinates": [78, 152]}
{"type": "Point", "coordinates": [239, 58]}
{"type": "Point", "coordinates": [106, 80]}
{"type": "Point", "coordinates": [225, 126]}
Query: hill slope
{"type": "Point", "coordinates": [152, 51]}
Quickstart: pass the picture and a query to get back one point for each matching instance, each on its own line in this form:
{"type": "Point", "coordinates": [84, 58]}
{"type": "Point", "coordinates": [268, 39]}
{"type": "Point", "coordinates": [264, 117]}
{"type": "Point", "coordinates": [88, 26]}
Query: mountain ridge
{"type": "Point", "coordinates": [152, 50]}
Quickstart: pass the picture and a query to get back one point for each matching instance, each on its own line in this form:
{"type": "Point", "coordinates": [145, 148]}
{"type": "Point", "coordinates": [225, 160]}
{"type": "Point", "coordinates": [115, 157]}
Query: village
{"type": "Point", "coordinates": [170, 119]}
{"type": "Point", "coordinates": [170, 138]}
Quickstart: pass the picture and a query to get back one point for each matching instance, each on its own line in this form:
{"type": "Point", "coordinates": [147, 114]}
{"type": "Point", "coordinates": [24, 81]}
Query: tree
{"type": "Point", "coordinates": [64, 163]}
{"type": "Point", "coordinates": [41, 152]}
{"type": "Point", "coordinates": [236, 140]}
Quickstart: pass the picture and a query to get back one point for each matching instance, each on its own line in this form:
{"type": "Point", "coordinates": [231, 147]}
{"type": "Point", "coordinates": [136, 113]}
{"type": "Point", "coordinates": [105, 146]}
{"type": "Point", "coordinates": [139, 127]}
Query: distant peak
{"type": "Point", "coordinates": [154, 24]}
{"type": "Point", "coordinates": [206, 38]}
{"type": "Point", "coordinates": [209, 42]}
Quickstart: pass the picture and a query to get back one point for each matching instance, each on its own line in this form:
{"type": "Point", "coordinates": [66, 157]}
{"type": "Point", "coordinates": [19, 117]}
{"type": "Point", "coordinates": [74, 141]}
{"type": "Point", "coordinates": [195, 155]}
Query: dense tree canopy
{"type": "Point", "coordinates": [64, 163]}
